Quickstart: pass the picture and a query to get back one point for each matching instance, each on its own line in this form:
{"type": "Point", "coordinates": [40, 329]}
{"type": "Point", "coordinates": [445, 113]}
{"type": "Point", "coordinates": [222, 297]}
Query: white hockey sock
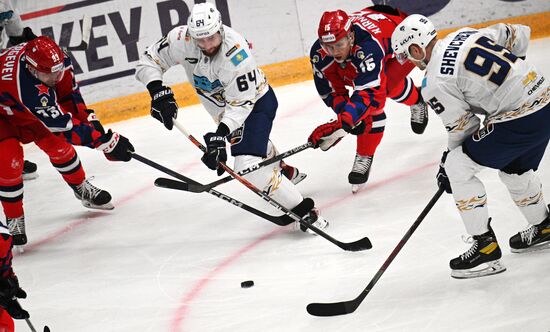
{"type": "Point", "coordinates": [526, 191]}
{"type": "Point", "coordinates": [468, 191]}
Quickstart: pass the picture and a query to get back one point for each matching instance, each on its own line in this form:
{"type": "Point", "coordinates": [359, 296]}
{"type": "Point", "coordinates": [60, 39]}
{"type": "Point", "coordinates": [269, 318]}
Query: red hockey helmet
{"type": "Point", "coordinates": [334, 26]}
{"type": "Point", "coordinates": [44, 55]}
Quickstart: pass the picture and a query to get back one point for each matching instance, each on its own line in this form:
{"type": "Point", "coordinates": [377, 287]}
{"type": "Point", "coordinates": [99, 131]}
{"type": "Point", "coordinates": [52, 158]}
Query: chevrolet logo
{"type": "Point", "coordinates": [529, 78]}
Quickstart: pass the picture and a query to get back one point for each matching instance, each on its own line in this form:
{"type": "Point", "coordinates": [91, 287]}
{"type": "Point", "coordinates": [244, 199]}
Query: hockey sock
{"type": "Point", "coordinates": [64, 158]}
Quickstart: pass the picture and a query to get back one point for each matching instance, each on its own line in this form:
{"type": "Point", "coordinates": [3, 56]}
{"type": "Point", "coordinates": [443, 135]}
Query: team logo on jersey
{"type": "Point", "coordinates": [315, 59]}
{"type": "Point", "coordinates": [44, 101]}
{"type": "Point", "coordinates": [203, 83]}
{"type": "Point", "coordinates": [239, 57]}
{"type": "Point", "coordinates": [361, 55]}
{"type": "Point", "coordinates": [42, 89]}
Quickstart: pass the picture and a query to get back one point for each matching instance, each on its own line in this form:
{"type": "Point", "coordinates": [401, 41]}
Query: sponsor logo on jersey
{"type": "Point", "coordinates": [239, 57]}
{"type": "Point", "coordinates": [192, 60]}
{"type": "Point", "coordinates": [483, 132]}
{"type": "Point", "coordinates": [529, 78]}
{"type": "Point", "coordinates": [232, 50]}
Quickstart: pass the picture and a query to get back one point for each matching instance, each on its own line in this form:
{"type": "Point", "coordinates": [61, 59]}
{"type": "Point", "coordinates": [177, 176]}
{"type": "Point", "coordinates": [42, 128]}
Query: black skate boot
{"type": "Point", "coordinates": [360, 172]}
{"type": "Point", "coordinates": [292, 173]}
{"type": "Point", "coordinates": [484, 250]}
{"type": "Point", "coordinates": [419, 116]}
{"type": "Point", "coordinates": [92, 197]}
{"type": "Point", "coordinates": [16, 226]}
{"type": "Point", "coordinates": [29, 170]}
{"type": "Point", "coordinates": [536, 237]}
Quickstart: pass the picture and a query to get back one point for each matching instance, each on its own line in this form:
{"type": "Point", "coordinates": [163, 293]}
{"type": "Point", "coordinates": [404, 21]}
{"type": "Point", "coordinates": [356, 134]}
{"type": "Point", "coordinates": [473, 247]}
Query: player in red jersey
{"type": "Point", "coordinates": [40, 102]}
{"type": "Point", "coordinates": [355, 51]}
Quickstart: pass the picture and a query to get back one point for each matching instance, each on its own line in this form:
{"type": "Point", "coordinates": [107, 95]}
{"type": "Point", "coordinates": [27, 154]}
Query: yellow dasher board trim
{"type": "Point", "coordinates": [278, 74]}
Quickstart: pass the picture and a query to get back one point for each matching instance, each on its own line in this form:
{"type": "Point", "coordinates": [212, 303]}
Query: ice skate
{"type": "Point", "coordinates": [536, 237]}
{"type": "Point", "coordinates": [292, 173]}
{"type": "Point", "coordinates": [16, 226]}
{"type": "Point", "coordinates": [315, 219]}
{"type": "Point", "coordinates": [92, 197]}
{"type": "Point", "coordinates": [419, 117]}
{"type": "Point", "coordinates": [29, 170]}
{"type": "Point", "coordinates": [482, 259]}
{"type": "Point", "coordinates": [360, 172]}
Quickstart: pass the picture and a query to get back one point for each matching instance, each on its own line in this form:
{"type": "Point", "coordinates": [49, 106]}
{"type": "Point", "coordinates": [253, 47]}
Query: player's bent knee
{"type": "Point", "coordinates": [460, 167]}
{"type": "Point", "coordinates": [516, 182]}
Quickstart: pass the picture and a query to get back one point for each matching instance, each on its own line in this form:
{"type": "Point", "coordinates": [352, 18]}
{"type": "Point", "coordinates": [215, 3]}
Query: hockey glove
{"type": "Point", "coordinates": [116, 147]}
{"type": "Point", "coordinates": [26, 36]}
{"type": "Point", "coordinates": [215, 151]}
{"type": "Point", "coordinates": [94, 121]}
{"type": "Point", "coordinates": [442, 179]}
{"type": "Point", "coordinates": [163, 105]}
{"type": "Point", "coordinates": [9, 293]}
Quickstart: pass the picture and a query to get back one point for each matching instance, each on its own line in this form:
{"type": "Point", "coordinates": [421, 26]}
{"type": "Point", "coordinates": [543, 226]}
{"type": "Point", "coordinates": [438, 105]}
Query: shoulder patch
{"type": "Point", "coordinates": [239, 57]}
{"type": "Point", "coordinates": [232, 50]}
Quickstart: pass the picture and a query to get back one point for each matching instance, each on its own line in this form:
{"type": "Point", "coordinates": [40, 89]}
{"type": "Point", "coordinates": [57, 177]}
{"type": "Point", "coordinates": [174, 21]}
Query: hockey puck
{"type": "Point", "coordinates": [247, 284]}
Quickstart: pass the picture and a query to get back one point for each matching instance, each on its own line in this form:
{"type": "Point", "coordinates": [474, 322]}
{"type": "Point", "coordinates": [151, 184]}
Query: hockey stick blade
{"type": "Point", "coordinates": [172, 184]}
{"type": "Point", "coordinates": [331, 309]}
{"type": "Point", "coordinates": [347, 307]}
{"type": "Point", "coordinates": [359, 245]}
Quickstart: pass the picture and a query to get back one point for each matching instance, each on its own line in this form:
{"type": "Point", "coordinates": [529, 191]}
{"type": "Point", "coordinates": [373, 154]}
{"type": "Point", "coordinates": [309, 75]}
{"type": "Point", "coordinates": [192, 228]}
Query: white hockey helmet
{"type": "Point", "coordinates": [415, 29]}
{"type": "Point", "coordinates": [204, 20]}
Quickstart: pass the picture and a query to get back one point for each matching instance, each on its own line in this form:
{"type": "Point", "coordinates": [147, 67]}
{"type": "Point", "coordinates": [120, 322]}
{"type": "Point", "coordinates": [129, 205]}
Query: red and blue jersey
{"type": "Point", "coordinates": [364, 71]}
{"type": "Point", "coordinates": [24, 100]}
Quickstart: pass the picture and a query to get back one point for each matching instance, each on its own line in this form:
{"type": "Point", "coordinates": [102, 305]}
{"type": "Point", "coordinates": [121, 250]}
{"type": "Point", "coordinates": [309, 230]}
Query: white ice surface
{"type": "Point", "coordinates": [173, 261]}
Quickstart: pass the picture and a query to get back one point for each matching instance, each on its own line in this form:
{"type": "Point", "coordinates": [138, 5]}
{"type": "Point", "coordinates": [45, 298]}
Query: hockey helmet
{"type": "Point", "coordinates": [44, 55]}
{"type": "Point", "coordinates": [204, 21]}
{"type": "Point", "coordinates": [334, 26]}
{"type": "Point", "coordinates": [415, 29]}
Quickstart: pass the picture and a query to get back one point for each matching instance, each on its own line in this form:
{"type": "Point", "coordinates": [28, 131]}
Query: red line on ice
{"type": "Point", "coordinates": [196, 289]}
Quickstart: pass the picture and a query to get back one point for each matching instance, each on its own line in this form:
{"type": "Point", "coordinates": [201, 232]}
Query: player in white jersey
{"type": "Point", "coordinates": [220, 66]}
{"type": "Point", "coordinates": [482, 73]}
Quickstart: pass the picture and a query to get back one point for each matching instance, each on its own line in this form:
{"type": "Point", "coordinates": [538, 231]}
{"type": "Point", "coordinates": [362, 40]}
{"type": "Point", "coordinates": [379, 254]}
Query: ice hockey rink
{"type": "Point", "coordinates": [166, 260]}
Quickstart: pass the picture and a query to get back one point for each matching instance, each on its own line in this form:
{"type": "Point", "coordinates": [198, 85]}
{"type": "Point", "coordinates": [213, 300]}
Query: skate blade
{"type": "Point", "coordinates": [299, 178]}
{"type": "Point", "coordinates": [30, 176]}
{"type": "Point", "coordinates": [356, 187]}
{"type": "Point", "coordinates": [540, 246]}
{"type": "Point", "coordinates": [485, 269]}
{"type": "Point", "coordinates": [107, 206]}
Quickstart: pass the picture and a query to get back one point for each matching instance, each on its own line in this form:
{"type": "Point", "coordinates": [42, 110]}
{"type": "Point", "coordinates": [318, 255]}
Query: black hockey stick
{"type": "Point", "coordinates": [195, 188]}
{"type": "Point", "coordinates": [347, 307]}
{"type": "Point", "coordinates": [358, 245]}
{"type": "Point", "coordinates": [278, 220]}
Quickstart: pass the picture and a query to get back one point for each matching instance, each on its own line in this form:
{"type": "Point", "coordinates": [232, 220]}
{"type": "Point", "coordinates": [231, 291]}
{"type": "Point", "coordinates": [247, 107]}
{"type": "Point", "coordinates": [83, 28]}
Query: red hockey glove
{"type": "Point", "coordinates": [327, 135]}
